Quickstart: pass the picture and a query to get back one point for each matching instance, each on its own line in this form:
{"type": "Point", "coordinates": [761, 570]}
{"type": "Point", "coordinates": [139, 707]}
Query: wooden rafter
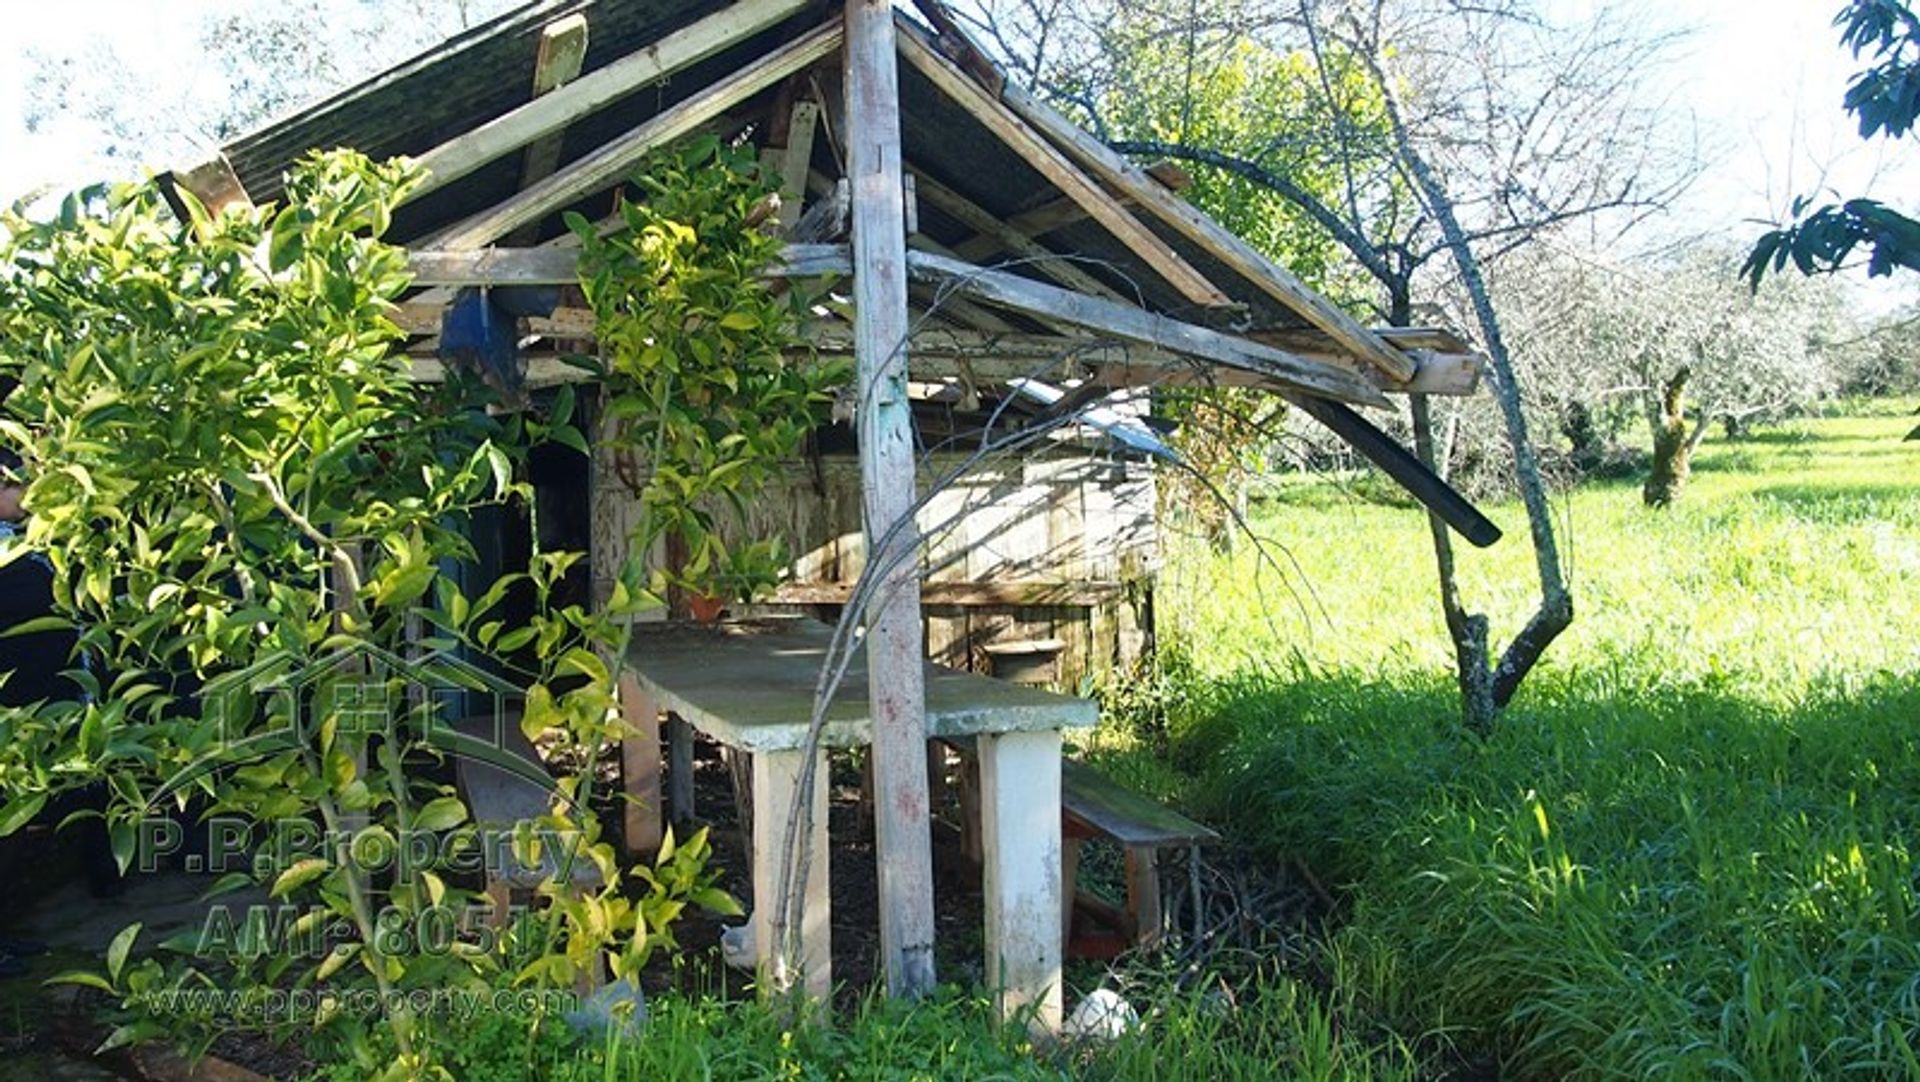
{"type": "Point", "coordinates": [212, 183]}
{"type": "Point", "coordinates": [552, 112]}
{"type": "Point", "coordinates": [1054, 265]}
{"type": "Point", "coordinates": [563, 49]}
{"type": "Point", "coordinates": [605, 166]}
{"type": "Point", "coordinates": [1137, 325]}
{"type": "Point", "coordinates": [1056, 167]}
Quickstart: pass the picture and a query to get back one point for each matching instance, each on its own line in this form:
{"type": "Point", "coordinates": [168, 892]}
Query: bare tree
{"type": "Point", "coordinates": [1459, 133]}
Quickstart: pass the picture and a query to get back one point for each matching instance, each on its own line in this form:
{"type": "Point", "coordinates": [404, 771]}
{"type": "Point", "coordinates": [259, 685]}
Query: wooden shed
{"type": "Point", "coordinates": [1035, 254]}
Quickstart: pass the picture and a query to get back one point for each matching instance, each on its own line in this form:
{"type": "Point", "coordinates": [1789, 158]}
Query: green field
{"type": "Point", "coordinates": [1687, 848]}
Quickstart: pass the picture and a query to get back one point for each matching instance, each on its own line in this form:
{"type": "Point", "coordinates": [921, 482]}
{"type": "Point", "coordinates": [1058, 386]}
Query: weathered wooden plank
{"type": "Point", "coordinates": [1020, 824]}
{"type": "Point", "coordinates": [1053, 165]}
{"type": "Point", "coordinates": [1138, 325]}
{"type": "Point", "coordinates": [896, 673]}
{"type": "Point", "coordinates": [550, 113]}
{"type": "Point", "coordinates": [1043, 259]}
{"type": "Point", "coordinates": [1122, 814]}
{"type": "Point", "coordinates": [212, 182]}
{"type": "Point", "coordinates": [558, 265]}
{"type": "Point", "coordinates": [640, 770]}
{"type": "Point", "coordinates": [606, 165]}
{"type": "Point", "coordinates": [777, 780]}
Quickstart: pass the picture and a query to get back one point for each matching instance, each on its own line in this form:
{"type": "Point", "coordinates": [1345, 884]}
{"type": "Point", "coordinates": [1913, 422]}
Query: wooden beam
{"type": "Point", "coordinates": [552, 112]}
{"type": "Point", "coordinates": [1398, 463]}
{"type": "Point", "coordinates": [563, 48]}
{"type": "Point", "coordinates": [1138, 325]}
{"type": "Point", "coordinates": [1190, 222]}
{"type": "Point", "coordinates": [605, 166]}
{"type": "Point", "coordinates": [1053, 165]}
{"type": "Point", "coordinates": [896, 668]}
{"type": "Point", "coordinates": [1054, 265]}
{"type": "Point", "coordinates": [212, 182]}
{"type": "Point", "coordinates": [559, 265]}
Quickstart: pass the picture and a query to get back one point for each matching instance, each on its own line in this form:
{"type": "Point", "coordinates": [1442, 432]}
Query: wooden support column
{"type": "Point", "coordinates": [1020, 824]}
{"type": "Point", "coordinates": [896, 670]}
{"type": "Point", "coordinates": [640, 769]}
{"type": "Point", "coordinates": [776, 781]}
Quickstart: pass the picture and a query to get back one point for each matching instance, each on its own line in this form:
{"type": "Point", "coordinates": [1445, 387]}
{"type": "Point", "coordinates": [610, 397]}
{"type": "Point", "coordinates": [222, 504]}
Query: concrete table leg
{"type": "Point", "coordinates": [640, 769]}
{"type": "Point", "coordinates": [776, 777]}
{"type": "Point", "coordinates": [1020, 826]}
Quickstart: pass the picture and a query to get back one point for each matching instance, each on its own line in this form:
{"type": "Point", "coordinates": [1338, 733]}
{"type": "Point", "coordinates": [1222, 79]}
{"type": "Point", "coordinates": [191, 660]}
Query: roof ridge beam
{"type": "Point", "coordinates": [551, 112]}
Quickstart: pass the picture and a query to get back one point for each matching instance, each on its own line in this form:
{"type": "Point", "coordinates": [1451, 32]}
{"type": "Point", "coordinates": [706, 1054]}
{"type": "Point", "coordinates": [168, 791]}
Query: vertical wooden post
{"type": "Point", "coordinates": [896, 669]}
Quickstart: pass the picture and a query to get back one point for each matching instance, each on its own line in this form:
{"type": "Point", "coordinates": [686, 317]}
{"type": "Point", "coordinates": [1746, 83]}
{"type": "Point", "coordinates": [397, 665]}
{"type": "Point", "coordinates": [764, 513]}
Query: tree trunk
{"type": "Point", "coordinates": [1672, 445]}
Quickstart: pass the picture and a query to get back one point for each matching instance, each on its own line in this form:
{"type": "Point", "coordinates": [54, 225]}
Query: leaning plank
{"type": "Point", "coordinates": [1137, 325]}
{"type": "Point", "coordinates": [604, 166]}
{"type": "Point", "coordinates": [1276, 280]}
{"type": "Point", "coordinates": [549, 113]}
{"type": "Point", "coordinates": [1053, 165]}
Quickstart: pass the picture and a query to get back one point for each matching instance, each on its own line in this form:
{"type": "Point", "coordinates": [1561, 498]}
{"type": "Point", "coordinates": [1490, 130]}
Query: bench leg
{"type": "Point", "coordinates": [1069, 884]}
{"type": "Point", "coordinates": [679, 769]}
{"type": "Point", "coordinates": [1143, 894]}
{"type": "Point", "coordinates": [776, 777]}
{"type": "Point", "coordinates": [970, 808]}
{"type": "Point", "coordinates": [1020, 825]}
{"type": "Point", "coordinates": [640, 769]}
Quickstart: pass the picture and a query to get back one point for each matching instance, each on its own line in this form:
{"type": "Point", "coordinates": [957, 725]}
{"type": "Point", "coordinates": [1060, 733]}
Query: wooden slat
{"type": "Point", "coordinates": [552, 112]}
{"type": "Point", "coordinates": [603, 167]}
{"type": "Point", "coordinates": [1138, 325]}
{"type": "Point", "coordinates": [1055, 166]}
{"type": "Point", "coordinates": [563, 48]}
{"type": "Point", "coordinates": [1276, 280]}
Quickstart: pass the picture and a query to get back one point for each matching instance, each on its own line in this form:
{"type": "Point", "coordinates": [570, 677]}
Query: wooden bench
{"type": "Point", "coordinates": [499, 800]}
{"type": "Point", "coordinates": [1093, 805]}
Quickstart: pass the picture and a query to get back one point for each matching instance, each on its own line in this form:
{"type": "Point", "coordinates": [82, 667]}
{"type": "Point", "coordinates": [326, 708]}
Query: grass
{"type": "Point", "coordinates": [1688, 847]}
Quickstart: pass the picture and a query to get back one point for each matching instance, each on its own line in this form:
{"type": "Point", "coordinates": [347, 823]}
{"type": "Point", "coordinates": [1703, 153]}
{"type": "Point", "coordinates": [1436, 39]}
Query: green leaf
{"type": "Point", "coordinates": [298, 874]}
{"type": "Point", "coordinates": [84, 979]}
{"type": "Point", "coordinates": [117, 950]}
{"type": "Point", "coordinates": [20, 811]}
{"type": "Point", "coordinates": [443, 813]}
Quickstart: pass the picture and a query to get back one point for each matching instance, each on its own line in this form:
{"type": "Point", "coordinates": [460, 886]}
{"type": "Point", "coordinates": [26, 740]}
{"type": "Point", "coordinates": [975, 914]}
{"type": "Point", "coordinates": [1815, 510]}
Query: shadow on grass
{"type": "Point", "coordinates": [1631, 875]}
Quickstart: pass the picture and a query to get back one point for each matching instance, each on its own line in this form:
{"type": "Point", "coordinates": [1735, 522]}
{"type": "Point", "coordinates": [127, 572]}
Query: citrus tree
{"type": "Point", "coordinates": [238, 488]}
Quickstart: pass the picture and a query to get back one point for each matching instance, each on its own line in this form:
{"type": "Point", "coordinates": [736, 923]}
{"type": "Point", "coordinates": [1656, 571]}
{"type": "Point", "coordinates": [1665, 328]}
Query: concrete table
{"type": "Point", "coordinates": [750, 686]}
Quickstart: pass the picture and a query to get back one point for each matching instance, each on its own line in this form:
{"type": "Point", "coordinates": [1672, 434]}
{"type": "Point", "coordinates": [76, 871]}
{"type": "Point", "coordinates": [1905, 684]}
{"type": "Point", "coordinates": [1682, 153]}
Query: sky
{"type": "Point", "coordinates": [1761, 81]}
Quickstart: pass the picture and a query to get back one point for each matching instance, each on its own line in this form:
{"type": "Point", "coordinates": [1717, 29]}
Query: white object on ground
{"type": "Point", "coordinates": [1102, 1016]}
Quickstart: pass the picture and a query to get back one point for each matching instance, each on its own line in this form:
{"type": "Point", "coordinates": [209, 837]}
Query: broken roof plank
{"type": "Point", "coordinates": [1192, 223]}
{"type": "Point", "coordinates": [1137, 325]}
{"type": "Point", "coordinates": [604, 167]}
{"type": "Point", "coordinates": [1059, 170]}
{"type": "Point", "coordinates": [549, 113]}
{"type": "Point", "coordinates": [212, 183]}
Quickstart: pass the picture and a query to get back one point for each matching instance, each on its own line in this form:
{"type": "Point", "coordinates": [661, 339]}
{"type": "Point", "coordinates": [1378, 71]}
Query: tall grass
{"type": "Point", "coordinates": [1687, 850]}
